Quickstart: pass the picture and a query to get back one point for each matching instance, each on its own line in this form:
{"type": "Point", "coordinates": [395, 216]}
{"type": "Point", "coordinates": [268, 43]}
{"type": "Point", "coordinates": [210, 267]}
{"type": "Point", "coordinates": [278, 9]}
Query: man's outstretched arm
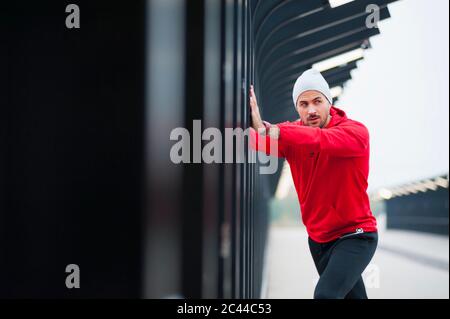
{"type": "Point", "coordinates": [260, 126]}
{"type": "Point", "coordinates": [263, 135]}
{"type": "Point", "coordinates": [257, 122]}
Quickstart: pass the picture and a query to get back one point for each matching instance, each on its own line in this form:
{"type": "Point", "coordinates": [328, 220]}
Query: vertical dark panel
{"type": "Point", "coordinates": [216, 239]}
{"type": "Point", "coordinates": [237, 168]}
{"type": "Point", "coordinates": [74, 159]}
{"type": "Point", "coordinates": [246, 198]}
{"type": "Point", "coordinates": [259, 197]}
{"type": "Point", "coordinates": [229, 82]}
{"type": "Point", "coordinates": [193, 174]}
{"type": "Point", "coordinates": [223, 57]}
{"type": "Point", "coordinates": [86, 148]}
{"type": "Point", "coordinates": [5, 142]}
{"type": "Point", "coordinates": [252, 180]}
{"type": "Point", "coordinates": [165, 111]}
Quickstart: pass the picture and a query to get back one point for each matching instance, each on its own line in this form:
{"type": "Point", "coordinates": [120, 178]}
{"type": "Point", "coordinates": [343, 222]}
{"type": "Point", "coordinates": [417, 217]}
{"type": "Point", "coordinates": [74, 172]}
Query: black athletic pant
{"type": "Point", "coordinates": [340, 264]}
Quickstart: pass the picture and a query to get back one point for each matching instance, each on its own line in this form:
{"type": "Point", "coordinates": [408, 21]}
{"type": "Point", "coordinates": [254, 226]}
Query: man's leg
{"type": "Point", "coordinates": [358, 291]}
{"type": "Point", "coordinates": [320, 254]}
{"type": "Point", "coordinates": [348, 259]}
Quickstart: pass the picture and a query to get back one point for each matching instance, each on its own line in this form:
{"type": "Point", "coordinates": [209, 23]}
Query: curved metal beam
{"type": "Point", "coordinates": [358, 34]}
{"type": "Point", "coordinates": [325, 18]}
{"type": "Point", "coordinates": [289, 53]}
{"type": "Point", "coordinates": [317, 55]}
{"type": "Point", "coordinates": [283, 49]}
{"type": "Point", "coordinates": [280, 27]}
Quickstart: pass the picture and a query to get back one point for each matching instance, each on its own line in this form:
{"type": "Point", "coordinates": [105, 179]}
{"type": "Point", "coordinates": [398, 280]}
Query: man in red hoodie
{"type": "Point", "coordinates": [328, 154]}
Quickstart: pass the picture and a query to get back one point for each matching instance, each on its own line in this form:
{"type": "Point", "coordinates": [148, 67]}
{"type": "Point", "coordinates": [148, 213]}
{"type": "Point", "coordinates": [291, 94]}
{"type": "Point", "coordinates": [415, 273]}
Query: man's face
{"type": "Point", "coordinates": [313, 108]}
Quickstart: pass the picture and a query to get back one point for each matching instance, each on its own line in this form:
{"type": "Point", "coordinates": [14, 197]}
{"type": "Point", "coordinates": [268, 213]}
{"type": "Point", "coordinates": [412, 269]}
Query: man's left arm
{"type": "Point", "coordinates": [345, 140]}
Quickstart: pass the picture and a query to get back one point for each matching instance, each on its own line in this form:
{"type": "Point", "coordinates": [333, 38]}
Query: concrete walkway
{"type": "Point", "coordinates": [407, 265]}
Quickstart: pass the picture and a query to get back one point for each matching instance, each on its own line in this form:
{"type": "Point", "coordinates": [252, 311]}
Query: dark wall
{"type": "Point", "coordinates": [72, 155]}
{"type": "Point", "coordinates": [85, 173]}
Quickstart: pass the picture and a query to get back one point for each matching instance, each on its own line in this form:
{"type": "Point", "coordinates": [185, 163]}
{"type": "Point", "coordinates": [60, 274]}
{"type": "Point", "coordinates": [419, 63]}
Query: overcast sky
{"type": "Point", "coordinates": [400, 92]}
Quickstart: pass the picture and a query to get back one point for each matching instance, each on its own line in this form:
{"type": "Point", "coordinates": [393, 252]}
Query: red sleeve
{"type": "Point", "coordinates": [265, 144]}
{"type": "Point", "coordinates": [346, 140]}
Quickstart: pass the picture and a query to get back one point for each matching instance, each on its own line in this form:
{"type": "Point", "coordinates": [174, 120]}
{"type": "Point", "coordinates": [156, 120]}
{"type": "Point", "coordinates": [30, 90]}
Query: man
{"type": "Point", "coordinates": [329, 159]}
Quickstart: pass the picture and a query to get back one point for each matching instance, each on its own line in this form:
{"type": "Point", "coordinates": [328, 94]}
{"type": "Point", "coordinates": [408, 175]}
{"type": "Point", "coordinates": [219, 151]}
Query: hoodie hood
{"type": "Point", "coordinates": [337, 116]}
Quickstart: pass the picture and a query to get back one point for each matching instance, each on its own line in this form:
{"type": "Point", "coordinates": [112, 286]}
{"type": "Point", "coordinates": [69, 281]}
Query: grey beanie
{"type": "Point", "coordinates": [311, 80]}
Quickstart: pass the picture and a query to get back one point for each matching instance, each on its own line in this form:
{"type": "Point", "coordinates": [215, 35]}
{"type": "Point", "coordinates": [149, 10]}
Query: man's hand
{"type": "Point", "coordinates": [257, 122]}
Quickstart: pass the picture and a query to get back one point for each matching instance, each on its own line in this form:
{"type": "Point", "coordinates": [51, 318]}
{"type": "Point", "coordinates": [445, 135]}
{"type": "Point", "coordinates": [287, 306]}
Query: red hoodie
{"type": "Point", "coordinates": [330, 168]}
